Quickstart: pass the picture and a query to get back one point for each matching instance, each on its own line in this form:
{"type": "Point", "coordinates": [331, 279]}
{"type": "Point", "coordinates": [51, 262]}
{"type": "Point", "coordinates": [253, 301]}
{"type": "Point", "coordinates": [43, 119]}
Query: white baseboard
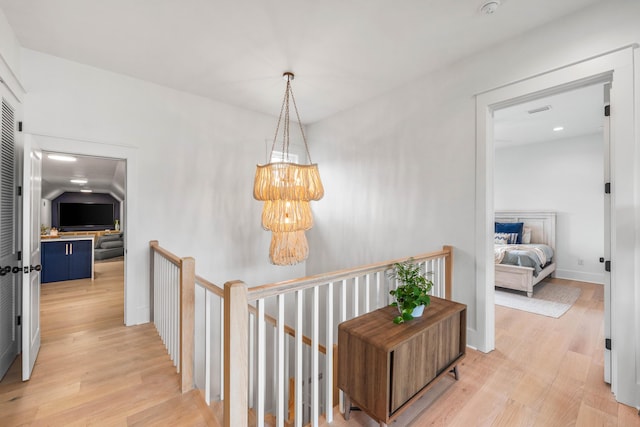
{"type": "Point", "coordinates": [580, 276]}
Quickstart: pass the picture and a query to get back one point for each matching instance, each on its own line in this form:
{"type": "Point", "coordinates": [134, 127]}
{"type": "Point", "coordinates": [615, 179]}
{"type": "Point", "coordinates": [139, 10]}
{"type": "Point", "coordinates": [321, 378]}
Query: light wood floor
{"type": "Point", "coordinates": [92, 370]}
{"type": "Point", "coordinates": [544, 372]}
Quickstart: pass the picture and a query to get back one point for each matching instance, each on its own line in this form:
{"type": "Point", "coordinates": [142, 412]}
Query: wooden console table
{"type": "Point", "coordinates": [384, 367]}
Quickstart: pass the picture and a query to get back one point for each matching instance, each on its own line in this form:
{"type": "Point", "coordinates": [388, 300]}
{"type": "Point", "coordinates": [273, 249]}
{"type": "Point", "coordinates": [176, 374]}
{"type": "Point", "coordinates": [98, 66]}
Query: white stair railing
{"type": "Point", "coordinates": [303, 297]}
{"type": "Point", "coordinates": [172, 307]}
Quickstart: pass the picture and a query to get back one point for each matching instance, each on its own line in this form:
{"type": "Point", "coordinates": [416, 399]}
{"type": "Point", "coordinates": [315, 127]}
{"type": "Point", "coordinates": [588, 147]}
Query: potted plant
{"type": "Point", "coordinates": [411, 296]}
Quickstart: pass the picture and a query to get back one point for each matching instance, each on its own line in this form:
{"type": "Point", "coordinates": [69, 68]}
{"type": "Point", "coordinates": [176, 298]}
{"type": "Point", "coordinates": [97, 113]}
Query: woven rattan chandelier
{"type": "Point", "coordinates": [286, 189]}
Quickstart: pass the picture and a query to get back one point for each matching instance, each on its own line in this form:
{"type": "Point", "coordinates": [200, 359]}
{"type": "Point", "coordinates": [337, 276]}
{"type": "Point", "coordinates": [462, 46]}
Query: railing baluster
{"type": "Point", "coordinates": [315, 373]}
{"type": "Point", "coordinates": [298, 356]}
{"type": "Point", "coordinates": [328, 367]}
{"type": "Point", "coordinates": [252, 358]}
{"type": "Point", "coordinates": [367, 293]}
{"type": "Point", "coordinates": [280, 402]}
{"type": "Point", "coordinates": [221, 348]}
{"type": "Point", "coordinates": [356, 293]}
{"type": "Point", "coordinates": [343, 301]}
{"type": "Point", "coordinates": [207, 347]}
{"type": "Point", "coordinates": [261, 364]}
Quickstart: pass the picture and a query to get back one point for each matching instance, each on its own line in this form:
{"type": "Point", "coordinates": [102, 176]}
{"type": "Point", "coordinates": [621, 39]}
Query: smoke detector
{"type": "Point", "coordinates": [488, 8]}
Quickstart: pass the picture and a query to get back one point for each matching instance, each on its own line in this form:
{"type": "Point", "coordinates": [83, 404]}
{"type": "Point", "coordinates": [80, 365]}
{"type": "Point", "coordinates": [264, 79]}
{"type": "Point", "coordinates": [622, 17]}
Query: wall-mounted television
{"type": "Point", "coordinates": [100, 215]}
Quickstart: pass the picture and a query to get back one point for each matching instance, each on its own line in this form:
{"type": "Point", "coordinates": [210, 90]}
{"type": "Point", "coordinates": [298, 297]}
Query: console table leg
{"type": "Point", "coordinates": [454, 371]}
{"type": "Point", "coordinates": [382, 424]}
{"type": "Point", "coordinates": [347, 407]}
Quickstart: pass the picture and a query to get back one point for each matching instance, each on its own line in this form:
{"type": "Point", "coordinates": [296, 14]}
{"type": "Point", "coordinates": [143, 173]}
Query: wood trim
{"type": "Point", "coordinates": [448, 271]}
{"type": "Point", "coordinates": [187, 320]}
{"type": "Point", "coordinates": [152, 270]}
{"type": "Point", "coordinates": [153, 244]}
{"type": "Point", "coordinates": [236, 353]}
{"type": "Point", "coordinates": [273, 289]}
{"type": "Point", "coordinates": [209, 286]}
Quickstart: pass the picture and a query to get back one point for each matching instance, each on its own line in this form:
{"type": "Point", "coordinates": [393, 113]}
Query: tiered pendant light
{"type": "Point", "coordinates": [286, 189]}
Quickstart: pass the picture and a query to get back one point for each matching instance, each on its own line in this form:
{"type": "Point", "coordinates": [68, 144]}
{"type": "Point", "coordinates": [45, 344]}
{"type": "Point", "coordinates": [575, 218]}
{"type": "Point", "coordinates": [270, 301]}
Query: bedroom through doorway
{"type": "Point", "coordinates": [551, 160]}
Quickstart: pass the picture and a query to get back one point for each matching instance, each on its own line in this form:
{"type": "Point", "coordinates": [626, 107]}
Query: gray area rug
{"type": "Point", "coordinates": [549, 299]}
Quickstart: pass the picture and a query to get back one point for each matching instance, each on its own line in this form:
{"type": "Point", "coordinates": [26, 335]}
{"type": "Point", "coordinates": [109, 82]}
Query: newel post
{"type": "Point", "coordinates": [448, 275]}
{"type": "Point", "coordinates": [187, 320]}
{"type": "Point", "coordinates": [152, 246]}
{"type": "Point", "coordinates": [236, 354]}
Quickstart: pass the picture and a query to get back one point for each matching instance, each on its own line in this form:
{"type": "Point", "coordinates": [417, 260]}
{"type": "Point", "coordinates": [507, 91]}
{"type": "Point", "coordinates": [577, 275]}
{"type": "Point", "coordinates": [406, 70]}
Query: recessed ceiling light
{"type": "Point", "coordinates": [558, 128]}
{"type": "Point", "coordinates": [62, 158]}
{"type": "Point", "coordinates": [85, 190]}
{"type": "Point", "coordinates": [79, 181]}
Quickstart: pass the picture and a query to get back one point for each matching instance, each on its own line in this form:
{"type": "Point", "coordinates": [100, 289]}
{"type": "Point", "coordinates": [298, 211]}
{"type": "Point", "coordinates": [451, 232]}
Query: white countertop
{"type": "Point", "coordinates": [67, 238]}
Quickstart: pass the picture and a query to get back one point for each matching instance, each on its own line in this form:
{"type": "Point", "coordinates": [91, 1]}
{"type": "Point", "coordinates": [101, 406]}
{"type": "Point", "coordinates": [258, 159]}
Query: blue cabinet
{"type": "Point", "coordinates": [66, 260]}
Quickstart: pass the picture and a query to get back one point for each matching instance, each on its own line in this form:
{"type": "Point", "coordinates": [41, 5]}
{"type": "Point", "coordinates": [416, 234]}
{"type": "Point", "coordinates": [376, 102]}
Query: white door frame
{"type": "Point", "coordinates": [617, 65]}
{"type": "Point", "coordinates": [129, 154]}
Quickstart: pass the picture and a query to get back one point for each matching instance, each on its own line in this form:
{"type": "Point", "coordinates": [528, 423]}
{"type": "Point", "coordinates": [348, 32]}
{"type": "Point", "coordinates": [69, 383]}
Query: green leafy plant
{"type": "Point", "coordinates": [412, 290]}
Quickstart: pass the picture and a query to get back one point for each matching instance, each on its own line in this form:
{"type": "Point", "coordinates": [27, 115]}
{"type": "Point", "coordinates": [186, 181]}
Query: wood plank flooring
{"type": "Point", "coordinates": [92, 370]}
{"type": "Point", "coordinates": [544, 372]}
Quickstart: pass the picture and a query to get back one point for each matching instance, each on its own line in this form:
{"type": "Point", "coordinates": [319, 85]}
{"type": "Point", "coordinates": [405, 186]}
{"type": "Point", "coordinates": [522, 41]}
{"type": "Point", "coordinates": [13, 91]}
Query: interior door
{"type": "Point", "coordinates": [607, 237]}
{"type": "Point", "coordinates": [32, 178]}
{"type": "Point", "coordinates": [9, 235]}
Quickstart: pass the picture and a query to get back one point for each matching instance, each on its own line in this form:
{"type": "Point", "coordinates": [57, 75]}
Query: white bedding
{"type": "Point", "coordinates": [536, 256]}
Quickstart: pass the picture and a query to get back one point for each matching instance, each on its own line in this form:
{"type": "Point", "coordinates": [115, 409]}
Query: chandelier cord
{"type": "Point", "coordinates": [275, 137]}
{"type": "Point", "coordinates": [304, 137]}
{"type": "Point", "coordinates": [284, 109]}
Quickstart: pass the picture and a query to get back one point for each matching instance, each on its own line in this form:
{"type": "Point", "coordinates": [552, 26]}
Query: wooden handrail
{"type": "Point", "coordinates": [209, 286]}
{"type": "Point", "coordinates": [153, 244]}
{"type": "Point", "coordinates": [273, 289]}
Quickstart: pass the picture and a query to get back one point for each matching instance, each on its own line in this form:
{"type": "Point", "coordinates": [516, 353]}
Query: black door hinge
{"type": "Point", "coordinates": [607, 266]}
{"type": "Point", "coordinates": [18, 320]}
{"type": "Point", "coordinates": [19, 126]}
{"type": "Point", "coordinates": [607, 110]}
{"type": "Point", "coordinates": [19, 255]}
{"type": "Point", "coordinates": [19, 190]}
{"type": "Point", "coordinates": [607, 188]}
{"type": "Point", "coordinates": [607, 343]}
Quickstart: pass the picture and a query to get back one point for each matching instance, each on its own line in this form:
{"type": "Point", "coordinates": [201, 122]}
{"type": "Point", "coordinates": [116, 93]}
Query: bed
{"type": "Point", "coordinates": [520, 266]}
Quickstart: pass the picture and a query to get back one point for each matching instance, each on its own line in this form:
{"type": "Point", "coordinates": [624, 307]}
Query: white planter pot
{"type": "Point", "coordinates": [417, 312]}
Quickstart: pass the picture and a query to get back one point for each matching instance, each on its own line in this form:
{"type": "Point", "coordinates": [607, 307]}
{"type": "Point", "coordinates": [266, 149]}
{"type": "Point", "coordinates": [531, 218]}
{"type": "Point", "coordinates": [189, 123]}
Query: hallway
{"type": "Point", "coordinates": [92, 370]}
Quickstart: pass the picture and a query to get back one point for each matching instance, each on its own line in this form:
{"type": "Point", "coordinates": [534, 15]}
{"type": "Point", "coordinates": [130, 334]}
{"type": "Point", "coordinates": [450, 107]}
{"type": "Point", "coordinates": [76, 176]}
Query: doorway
{"type": "Point", "coordinates": [85, 196]}
{"type": "Point", "coordinates": [551, 154]}
{"type": "Point", "coordinates": [596, 70]}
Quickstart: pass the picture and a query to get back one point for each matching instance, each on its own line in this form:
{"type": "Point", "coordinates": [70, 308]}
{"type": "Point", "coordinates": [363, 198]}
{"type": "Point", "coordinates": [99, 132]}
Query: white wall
{"type": "Point", "coordinates": [399, 171]}
{"type": "Point", "coordinates": [190, 167]}
{"type": "Point", "coordinates": [565, 176]}
{"type": "Point", "coordinates": [9, 48]}
{"type": "Point", "coordinates": [45, 213]}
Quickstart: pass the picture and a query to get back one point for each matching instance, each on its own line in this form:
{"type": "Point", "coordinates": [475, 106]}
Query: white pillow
{"type": "Point", "coordinates": [505, 238]}
{"type": "Point", "coordinates": [501, 241]}
{"type": "Point", "coordinates": [526, 236]}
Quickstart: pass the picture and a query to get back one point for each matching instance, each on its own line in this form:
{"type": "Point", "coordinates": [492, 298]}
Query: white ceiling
{"type": "Point", "coordinates": [579, 112]}
{"type": "Point", "coordinates": [342, 52]}
{"type": "Point", "coordinates": [103, 176]}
